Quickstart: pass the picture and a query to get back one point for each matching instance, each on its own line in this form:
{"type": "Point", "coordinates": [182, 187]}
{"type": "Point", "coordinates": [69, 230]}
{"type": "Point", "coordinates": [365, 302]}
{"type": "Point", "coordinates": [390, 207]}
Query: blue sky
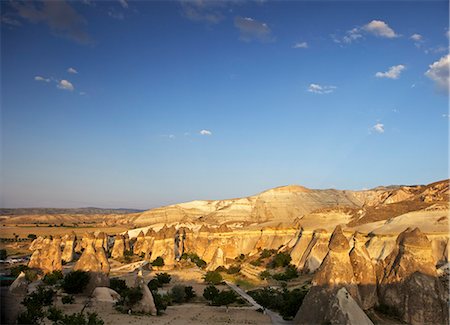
{"type": "Point", "coordinates": [142, 104]}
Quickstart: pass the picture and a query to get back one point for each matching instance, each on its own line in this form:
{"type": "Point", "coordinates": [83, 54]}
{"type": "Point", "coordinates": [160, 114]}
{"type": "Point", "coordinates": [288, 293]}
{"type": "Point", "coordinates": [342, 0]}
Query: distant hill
{"type": "Point", "coordinates": [55, 211]}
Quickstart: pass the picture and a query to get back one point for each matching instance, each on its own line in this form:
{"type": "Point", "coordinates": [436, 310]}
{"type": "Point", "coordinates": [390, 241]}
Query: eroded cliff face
{"type": "Point", "coordinates": [409, 283]}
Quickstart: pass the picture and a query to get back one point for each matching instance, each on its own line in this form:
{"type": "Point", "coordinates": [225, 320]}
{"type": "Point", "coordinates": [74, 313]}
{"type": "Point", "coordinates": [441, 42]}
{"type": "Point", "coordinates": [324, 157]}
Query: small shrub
{"type": "Point", "coordinates": [159, 261]}
{"type": "Point", "coordinates": [32, 236]}
{"type": "Point", "coordinates": [31, 275]}
{"type": "Point", "coordinates": [194, 259]}
{"type": "Point", "coordinates": [213, 277]}
{"type": "Point", "coordinates": [163, 278]}
{"type": "Point", "coordinates": [178, 294]}
{"type": "Point", "coordinates": [16, 270]}
{"type": "Point", "coordinates": [68, 300]}
{"type": "Point", "coordinates": [154, 284]}
{"type": "Point", "coordinates": [265, 275]}
{"type": "Point", "coordinates": [280, 260]}
{"type": "Point", "coordinates": [118, 285]}
{"type": "Point", "coordinates": [267, 253]}
{"type": "Point", "coordinates": [55, 314]}
{"type": "Point", "coordinates": [257, 262]}
{"type": "Point", "coordinates": [161, 302]}
{"type": "Point", "coordinates": [221, 269]}
{"type": "Point", "coordinates": [52, 278]}
{"type": "Point", "coordinates": [130, 297]}
{"type": "Point", "coordinates": [210, 292]}
{"type": "Point", "coordinates": [289, 273]}
{"type": "Point", "coordinates": [233, 269]}
{"type": "Point", "coordinates": [190, 293]}
{"type": "Point", "coordinates": [224, 298]}
{"type": "Point", "coordinates": [75, 281]}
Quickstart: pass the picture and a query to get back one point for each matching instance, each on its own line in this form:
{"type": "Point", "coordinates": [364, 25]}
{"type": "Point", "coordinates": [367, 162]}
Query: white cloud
{"type": "Point", "coordinates": [318, 89]}
{"type": "Point", "coordinates": [416, 37]}
{"type": "Point", "coordinates": [251, 29]}
{"type": "Point", "coordinates": [375, 27]}
{"type": "Point", "coordinates": [302, 45]}
{"type": "Point", "coordinates": [447, 34]}
{"type": "Point", "coordinates": [10, 21]}
{"type": "Point", "coordinates": [39, 78]}
{"type": "Point", "coordinates": [72, 70]}
{"type": "Point", "coordinates": [83, 93]}
{"type": "Point", "coordinates": [65, 85]}
{"type": "Point", "coordinates": [393, 72]}
{"type": "Point", "coordinates": [379, 128]}
{"type": "Point", "coordinates": [205, 132]}
{"type": "Point", "coordinates": [123, 3]}
{"type": "Point", "coordinates": [439, 73]}
{"type": "Point", "coordinates": [380, 28]}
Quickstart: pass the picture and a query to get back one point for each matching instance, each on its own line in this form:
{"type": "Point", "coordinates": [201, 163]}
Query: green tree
{"type": "Point", "coordinates": [159, 261]}
{"type": "Point", "coordinates": [210, 292]}
{"type": "Point", "coordinates": [163, 278]}
{"type": "Point", "coordinates": [213, 277]}
{"type": "Point", "coordinates": [75, 281]}
{"type": "Point", "coordinates": [178, 293]}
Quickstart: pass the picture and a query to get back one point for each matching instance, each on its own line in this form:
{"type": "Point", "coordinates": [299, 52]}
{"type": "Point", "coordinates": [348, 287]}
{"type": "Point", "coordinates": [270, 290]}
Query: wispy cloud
{"type": "Point", "coordinates": [7, 20]}
{"type": "Point", "coordinates": [39, 78]}
{"type": "Point", "coordinates": [251, 29]}
{"type": "Point", "coordinates": [300, 45]}
{"type": "Point", "coordinates": [116, 15]}
{"type": "Point", "coordinates": [439, 73]}
{"type": "Point", "coordinates": [124, 3]}
{"type": "Point", "coordinates": [393, 72]}
{"type": "Point", "coordinates": [65, 85]}
{"type": "Point", "coordinates": [72, 70]}
{"type": "Point", "coordinates": [59, 16]}
{"type": "Point", "coordinates": [319, 89]}
{"type": "Point", "coordinates": [205, 132]}
{"type": "Point", "coordinates": [209, 12]}
{"type": "Point", "coordinates": [376, 27]}
{"type": "Point", "coordinates": [378, 128]}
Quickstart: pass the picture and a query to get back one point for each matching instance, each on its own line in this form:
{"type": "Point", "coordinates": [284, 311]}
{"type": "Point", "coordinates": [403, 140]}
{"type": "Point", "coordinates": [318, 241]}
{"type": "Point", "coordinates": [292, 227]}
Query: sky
{"type": "Point", "coordinates": [139, 104]}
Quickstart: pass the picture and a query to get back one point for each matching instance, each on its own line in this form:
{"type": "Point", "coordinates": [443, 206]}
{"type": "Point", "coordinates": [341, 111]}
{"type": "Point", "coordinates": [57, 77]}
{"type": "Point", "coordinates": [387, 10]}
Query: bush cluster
{"type": "Point", "coordinates": [284, 301]}
{"type": "Point", "coordinates": [194, 259]}
{"type": "Point", "coordinates": [180, 293]}
{"type": "Point", "coordinates": [213, 277]}
{"type": "Point", "coordinates": [280, 260]}
{"type": "Point", "coordinates": [52, 278]}
{"type": "Point", "coordinates": [159, 261]}
{"type": "Point", "coordinates": [75, 281]}
{"type": "Point", "coordinates": [219, 298]}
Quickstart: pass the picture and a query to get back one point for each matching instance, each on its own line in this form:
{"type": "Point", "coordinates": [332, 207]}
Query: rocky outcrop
{"type": "Point", "coordinates": [344, 310]}
{"type": "Point", "coordinates": [104, 294]}
{"type": "Point", "coordinates": [315, 252]}
{"type": "Point", "coordinates": [19, 286]}
{"type": "Point", "coordinates": [101, 241]}
{"type": "Point", "coordinates": [118, 249]}
{"type": "Point", "coordinates": [95, 262]}
{"type": "Point", "coordinates": [146, 304]}
{"type": "Point", "coordinates": [217, 260]}
{"type": "Point", "coordinates": [137, 249]}
{"type": "Point", "coordinates": [69, 248]}
{"type": "Point", "coordinates": [409, 283]}
{"type": "Point", "coordinates": [363, 272]}
{"type": "Point", "coordinates": [36, 244]}
{"type": "Point", "coordinates": [334, 273]}
{"type": "Point", "coordinates": [48, 257]}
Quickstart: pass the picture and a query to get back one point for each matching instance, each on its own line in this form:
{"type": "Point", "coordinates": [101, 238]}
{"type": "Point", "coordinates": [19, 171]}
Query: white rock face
{"type": "Point", "coordinates": [19, 286]}
{"type": "Point", "coordinates": [104, 294]}
{"type": "Point", "coordinates": [345, 311]}
{"type": "Point", "coordinates": [146, 304]}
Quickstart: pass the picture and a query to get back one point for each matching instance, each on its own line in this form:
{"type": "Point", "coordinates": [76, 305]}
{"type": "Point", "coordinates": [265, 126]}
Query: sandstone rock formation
{"type": "Point", "coordinates": [95, 262]}
{"type": "Point", "coordinates": [363, 272]}
{"type": "Point", "coordinates": [344, 310]}
{"type": "Point", "coordinates": [48, 257]}
{"type": "Point", "coordinates": [217, 260]}
{"type": "Point", "coordinates": [69, 248]}
{"type": "Point", "coordinates": [334, 273]}
{"type": "Point", "coordinates": [19, 286]}
{"type": "Point", "coordinates": [146, 304]}
{"type": "Point", "coordinates": [137, 249]}
{"type": "Point", "coordinates": [104, 294]}
{"type": "Point", "coordinates": [409, 283]}
{"type": "Point", "coordinates": [118, 249]}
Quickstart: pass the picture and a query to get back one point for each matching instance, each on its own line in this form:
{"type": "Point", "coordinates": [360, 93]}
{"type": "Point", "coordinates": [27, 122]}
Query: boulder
{"type": "Point", "coordinates": [344, 310]}
{"type": "Point", "coordinates": [105, 294]}
{"type": "Point", "coordinates": [48, 257]}
{"type": "Point", "coordinates": [147, 303]}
